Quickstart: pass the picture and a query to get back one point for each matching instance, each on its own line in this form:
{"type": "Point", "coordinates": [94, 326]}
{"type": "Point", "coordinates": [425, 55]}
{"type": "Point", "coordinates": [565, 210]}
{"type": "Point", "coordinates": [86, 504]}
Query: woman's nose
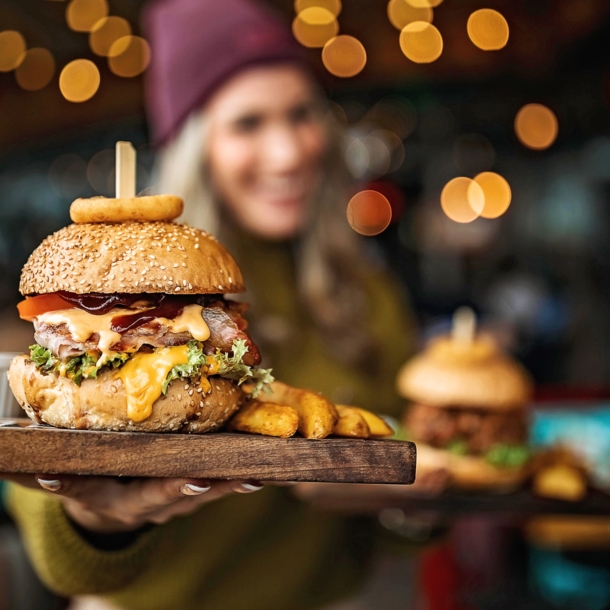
{"type": "Point", "coordinates": [283, 150]}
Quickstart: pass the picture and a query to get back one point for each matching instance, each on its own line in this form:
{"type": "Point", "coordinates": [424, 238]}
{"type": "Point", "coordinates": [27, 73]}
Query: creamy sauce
{"type": "Point", "coordinates": [191, 321]}
{"type": "Point", "coordinates": [83, 324]}
{"type": "Point", "coordinates": [143, 376]}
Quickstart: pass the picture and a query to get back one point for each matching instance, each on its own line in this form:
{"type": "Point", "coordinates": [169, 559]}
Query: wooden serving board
{"type": "Point", "coordinates": [30, 448]}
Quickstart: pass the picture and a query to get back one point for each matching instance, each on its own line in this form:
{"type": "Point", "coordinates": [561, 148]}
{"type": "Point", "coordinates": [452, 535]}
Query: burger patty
{"type": "Point", "coordinates": [479, 429]}
{"type": "Point", "coordinates": [226, 325]}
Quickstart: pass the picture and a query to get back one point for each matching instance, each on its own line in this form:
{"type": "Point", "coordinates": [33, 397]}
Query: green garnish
{"type": "Point", "coordinates": [508, 455]}
{"type": "Point", "coordinates": [196, 359]}
{"type": "Point", "coordinates": [457, 446]}
{"type": "Point", "coordinates": [77, 368]}
{"type": "Point", "coordinates": [229, 367]}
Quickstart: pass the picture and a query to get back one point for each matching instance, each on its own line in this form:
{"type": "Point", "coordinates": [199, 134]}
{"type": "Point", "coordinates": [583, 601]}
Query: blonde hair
{"type": "Point", "coordinates": [328, 253]}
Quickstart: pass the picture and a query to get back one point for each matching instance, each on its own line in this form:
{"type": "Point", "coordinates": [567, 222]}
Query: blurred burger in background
{"type": "Point", "coordinates": [467, 410]}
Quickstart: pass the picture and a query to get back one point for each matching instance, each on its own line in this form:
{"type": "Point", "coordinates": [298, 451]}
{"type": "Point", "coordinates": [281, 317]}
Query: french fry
{"type": "Point", "coordinates": [266, 418]}
{"type": "Point", "coordinates": [317, 415]}
{"type": "Point", "coordinates": [562, 482]}
{"type": "Point", "coordinates": [377, 426]}
{"type": "Point", "coordinates": [351, 423]}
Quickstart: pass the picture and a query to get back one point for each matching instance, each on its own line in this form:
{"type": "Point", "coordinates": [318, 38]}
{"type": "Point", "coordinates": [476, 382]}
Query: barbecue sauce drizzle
{"type": "Point", "coordinates": [163, 306]}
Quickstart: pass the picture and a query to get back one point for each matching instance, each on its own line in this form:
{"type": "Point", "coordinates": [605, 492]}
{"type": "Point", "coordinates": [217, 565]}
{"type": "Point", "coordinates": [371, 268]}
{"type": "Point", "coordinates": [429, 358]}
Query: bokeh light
{"type": "Point", "coordinates": [536, 126]}
{"type": "Point", "coordinates": [129, 56]}
{"type": "Point", "coordinates": [369, 213]}
{"type": "Point", "coordinates": [82, 15]}
{"type": "Point", "coordinates": [497, 194]}
{"type": "Point", "coordinates": [401, 14]}
{"type": "Point", "coordinates": [12, 50]}
{"type": "Point", "coordinates": [79, 80]}
{"type": "Point", "coordinates": [380, 155]}
{"type": "Point", "coordinates": [334, 6]}
{"type": "Point", "coordinates": [462, 199]}
{"type": "Point", "coordinates": [36, 70]}
{"type": "Point", "coordinates": [344, 56]}
{"type": "Point", "coordinates": [424, 3]}
{"type": "Point", "coordinates": [106, 32]}
{"type": "Point", "coordinates": [394, 146]}
{"type": "Point", "coordinates": [314, 27]}
{"type": "Point", "coordinates": [488, 29]}
{"type": "Point", "coordinates": [357, 158]}
{"type": "Point", "coordinates": [421, 42]}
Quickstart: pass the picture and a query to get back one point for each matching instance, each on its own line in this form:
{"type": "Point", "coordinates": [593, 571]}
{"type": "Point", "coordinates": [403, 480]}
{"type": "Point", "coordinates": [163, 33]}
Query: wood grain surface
{"type": "Point", "coordinates": [31, 448]}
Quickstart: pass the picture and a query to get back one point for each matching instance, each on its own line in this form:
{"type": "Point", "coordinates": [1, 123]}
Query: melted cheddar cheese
{"type": "Point", "coordinates": [143, 376]}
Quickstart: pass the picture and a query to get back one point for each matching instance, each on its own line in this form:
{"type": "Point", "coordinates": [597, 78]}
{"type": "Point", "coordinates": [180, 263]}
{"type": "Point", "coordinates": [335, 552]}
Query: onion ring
{"type": "Point", "coordinates": [149, 208]}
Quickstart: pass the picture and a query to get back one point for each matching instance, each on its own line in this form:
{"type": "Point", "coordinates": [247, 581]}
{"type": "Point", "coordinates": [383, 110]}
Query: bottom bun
{"type": "Point", "coordinates": [468, 471]}
{"type": "Point", "coordinates": [101, 404]}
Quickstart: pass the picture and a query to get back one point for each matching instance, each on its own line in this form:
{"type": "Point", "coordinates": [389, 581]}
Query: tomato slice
{"type": "Point", "coordinates": [34, 306]}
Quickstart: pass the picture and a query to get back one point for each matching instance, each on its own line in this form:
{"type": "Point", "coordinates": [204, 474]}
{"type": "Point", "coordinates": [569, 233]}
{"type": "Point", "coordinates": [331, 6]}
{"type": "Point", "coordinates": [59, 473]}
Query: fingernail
{"type": "Point", "coordinates": [246, 488]}
{"type": "Point", "coordinates": [52, 485]}
{"type": "Point", "coordinates": [189, 489]}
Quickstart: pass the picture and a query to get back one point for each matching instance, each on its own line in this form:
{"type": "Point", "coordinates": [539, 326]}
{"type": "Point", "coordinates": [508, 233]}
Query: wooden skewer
{"type": "Point", "coordinates": [125, 170]}
{"type": "Point", "coordinates": [464, 325]}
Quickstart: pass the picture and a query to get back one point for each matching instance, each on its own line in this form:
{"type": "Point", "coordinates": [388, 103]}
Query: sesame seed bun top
{"type": "Point", "coordinates": [451, 373]}
{"type": "Point", "coordinates": [131, 257]}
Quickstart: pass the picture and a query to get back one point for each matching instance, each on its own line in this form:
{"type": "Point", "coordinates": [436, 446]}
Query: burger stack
{"type": "Point", "coordinates": [467, 410]}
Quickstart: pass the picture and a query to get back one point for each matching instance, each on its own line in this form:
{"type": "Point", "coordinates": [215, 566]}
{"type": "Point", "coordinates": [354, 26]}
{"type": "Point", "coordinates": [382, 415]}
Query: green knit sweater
{"type": "Point", "coordinates": [264, 550]}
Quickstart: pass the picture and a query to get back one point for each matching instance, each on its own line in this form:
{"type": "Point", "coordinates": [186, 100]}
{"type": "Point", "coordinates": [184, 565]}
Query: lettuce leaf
{"type": "Point", "coordinates": [508, 455]}
{"type": "Point", "coordinates": [230, 366]}
{"type": "Point", "coordinates": [77, 368]}
{"type": "Point", "coordinates": [196, 359]}
{"type": "Point", "coordinates": [42, 357]}
{"type": "Point", "coordinates": [457, 446]}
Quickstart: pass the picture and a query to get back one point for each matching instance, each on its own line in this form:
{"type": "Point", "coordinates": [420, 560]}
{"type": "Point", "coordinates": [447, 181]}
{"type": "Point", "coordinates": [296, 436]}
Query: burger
{"type": "Point", "coordinates": [133, 328]}
{"type": "Point", "coordinates": [467, 412]}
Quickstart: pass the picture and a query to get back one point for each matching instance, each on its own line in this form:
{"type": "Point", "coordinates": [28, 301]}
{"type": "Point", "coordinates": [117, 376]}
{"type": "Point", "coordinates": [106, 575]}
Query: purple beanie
{"type": "Point", "coordinates": [197, 45]}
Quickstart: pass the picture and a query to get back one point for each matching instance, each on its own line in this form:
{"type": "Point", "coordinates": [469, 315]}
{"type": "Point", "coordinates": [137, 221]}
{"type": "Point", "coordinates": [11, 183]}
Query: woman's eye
{"type": "Point", "coordinates": [301, 114]}
{"type": "Point", "coordinates": [248, 124]}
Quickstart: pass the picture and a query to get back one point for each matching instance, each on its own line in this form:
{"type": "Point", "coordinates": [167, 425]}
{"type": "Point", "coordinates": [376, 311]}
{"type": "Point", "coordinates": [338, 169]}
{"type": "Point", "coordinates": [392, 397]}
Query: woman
{"type": "Point", "coordinates": [250, 146]}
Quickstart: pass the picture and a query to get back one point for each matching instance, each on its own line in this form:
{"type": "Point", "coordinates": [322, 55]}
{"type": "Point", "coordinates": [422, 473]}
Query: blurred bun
{"type": "Point", "coordinates": [131, 257]}
{"type": "Point", "coordinates": [101, 404]}
{"type": "Point", "coordinates": [475, 374]}
{"type": "Point", "coordinates": [467, 471]}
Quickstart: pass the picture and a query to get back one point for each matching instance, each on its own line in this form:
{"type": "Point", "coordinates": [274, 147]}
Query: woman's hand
{"type": "Point", "coordinates": [109, 505]}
